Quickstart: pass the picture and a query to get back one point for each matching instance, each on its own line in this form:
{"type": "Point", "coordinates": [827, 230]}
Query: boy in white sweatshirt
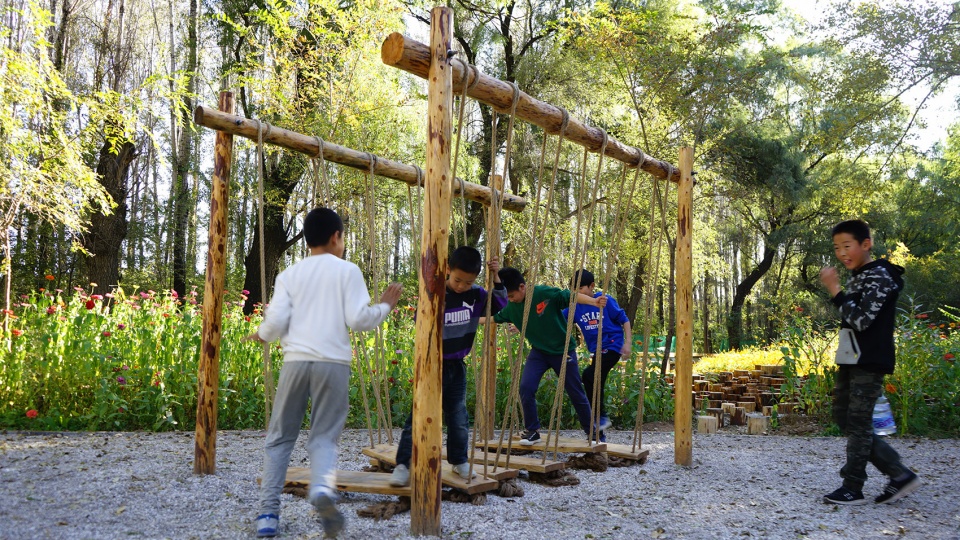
{"type": "Point", "coordinates": [314, 303]}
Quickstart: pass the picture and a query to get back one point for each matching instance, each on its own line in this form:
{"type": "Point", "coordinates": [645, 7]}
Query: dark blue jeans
{"type": "Point", "coordinates": [454, 403]}
{"type": "Point", "coordinates": [608, 360]}
{"type": "Point", "coordinates": [854, 394]}
{"type": "Point", "coordinates": [537, 364]}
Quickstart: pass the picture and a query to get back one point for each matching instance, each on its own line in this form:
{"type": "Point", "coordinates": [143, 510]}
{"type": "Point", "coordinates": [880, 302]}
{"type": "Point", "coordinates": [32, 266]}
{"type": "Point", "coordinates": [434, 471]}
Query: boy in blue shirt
{"type": "Point", "coordinates": [465, 303]}
{"type": "Point", "coordinates": [546, 332]}
{"type": "Point", "coordinates": [613, 346]}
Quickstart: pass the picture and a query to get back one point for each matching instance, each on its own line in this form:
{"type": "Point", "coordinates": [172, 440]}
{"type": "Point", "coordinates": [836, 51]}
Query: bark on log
{"type": "Point", "coordinates": [205, 444]}
{"type": "Point", "coordinates": [412, 56]}
{"type": "Point", "coordinates": [427, 435]}
{"type": "Point", "coordinates": [683, 443]}
{"type": "Point", "coordinates": [349, 157]}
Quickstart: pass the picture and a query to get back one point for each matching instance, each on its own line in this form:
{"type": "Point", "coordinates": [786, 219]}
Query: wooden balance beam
{"type": "Point", "coordinates": [625, 451]}
{"type": "Point", "coordinates": [566, 445]}
{"type": "Point", "coordinates": [355, 481]}
{"type": "Point", "coordinates": [387, 453]}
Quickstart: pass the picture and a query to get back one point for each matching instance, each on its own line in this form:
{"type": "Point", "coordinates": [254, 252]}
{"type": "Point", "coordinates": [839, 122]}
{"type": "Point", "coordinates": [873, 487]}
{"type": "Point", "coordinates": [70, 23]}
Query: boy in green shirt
{"type": "Point", "coordinates": [546, 331]}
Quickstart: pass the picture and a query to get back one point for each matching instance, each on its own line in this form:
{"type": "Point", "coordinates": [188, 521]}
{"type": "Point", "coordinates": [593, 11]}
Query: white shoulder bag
{"type": "Point", "coordinates": [848, 351]}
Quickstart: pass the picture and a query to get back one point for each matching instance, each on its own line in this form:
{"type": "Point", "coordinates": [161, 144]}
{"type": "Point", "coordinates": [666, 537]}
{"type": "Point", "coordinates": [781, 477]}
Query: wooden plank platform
{"type": "Point", "coordinates": [387, 453]}
{"type": "Point", "coordinates": [524, 463]}
{"type": "Point", "coordinates": [623, 451]}
{"type": "Point", "coordinates": [566, 445]}
{"type": "Point", "coordinates": [356, 481]}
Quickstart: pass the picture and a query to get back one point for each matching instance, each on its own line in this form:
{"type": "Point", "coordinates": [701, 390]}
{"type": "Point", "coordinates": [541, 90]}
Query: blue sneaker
{"type": "Point", "coordinates": [267, 525]}
{"type": "Point", "coordinates": [605, 424]}
{"type": "Point", "coordinates": [331, 518]}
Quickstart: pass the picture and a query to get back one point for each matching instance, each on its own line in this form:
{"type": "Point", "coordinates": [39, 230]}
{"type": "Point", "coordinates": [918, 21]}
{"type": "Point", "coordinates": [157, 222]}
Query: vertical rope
{"type": "Point", "coordinates": [652, 275]}
{"type": "Point", "coordinates": [267, 367]}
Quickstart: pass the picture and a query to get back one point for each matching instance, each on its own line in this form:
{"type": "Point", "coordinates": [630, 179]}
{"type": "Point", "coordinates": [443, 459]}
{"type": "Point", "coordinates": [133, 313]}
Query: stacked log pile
{"type": "Point", "coordinates": [740, 398]}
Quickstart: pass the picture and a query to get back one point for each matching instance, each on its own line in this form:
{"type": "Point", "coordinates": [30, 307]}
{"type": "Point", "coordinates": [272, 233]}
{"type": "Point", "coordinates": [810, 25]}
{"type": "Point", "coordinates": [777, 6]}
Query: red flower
{"type": "Point", "coordinates": [48, 277]}
{"type": "Point", "coordinates": [32, 413]}
{"type": "Point", "coordinates": [51, 310]}
{"type": "Point", "coordinates": [247, 319]}
{"type": "Point", "coordinates": [166, 315]}
{"type": "Point", "coordinates": [16, 332]}
{"type": "Point", "coordinates": [90, 304]}
{"type": "Point", "coordinates": [891, 388]}
{"type": "Point", "coordinates": [922, 316]}
{"type": "Point", "coordinates": [948, 356]}
{"type": "Point", "coordinates": [391, 380]}
{"type": "Point", "coordinates": [106, 333]}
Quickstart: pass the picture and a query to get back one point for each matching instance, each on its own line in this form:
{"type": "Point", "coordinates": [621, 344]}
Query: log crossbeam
{"type": "Point", "coordinates": [404, 53]}
{"type": "Point", "coordinates": [306, 144]}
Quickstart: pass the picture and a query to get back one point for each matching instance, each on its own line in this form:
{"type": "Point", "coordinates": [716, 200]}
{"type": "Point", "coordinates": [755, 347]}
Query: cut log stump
{"type": "Point", "coordinates": [757, 424]}
{"type": "Point", "coordinates": [706, 424]}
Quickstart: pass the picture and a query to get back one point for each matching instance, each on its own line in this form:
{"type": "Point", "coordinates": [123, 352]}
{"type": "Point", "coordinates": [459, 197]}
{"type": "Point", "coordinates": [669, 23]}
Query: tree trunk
{"type": "Point", "coordinates": [281, 181]}
{"type": "Point", "coordinates": [183, 202]}
{"type": "Point", "coordinates": [735, 320]}
{"type": "Point", "coordinates": [107, 231]}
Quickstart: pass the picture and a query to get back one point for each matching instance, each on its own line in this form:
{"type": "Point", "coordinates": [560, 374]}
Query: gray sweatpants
{"type": "Point", "coordinates": [327, 385]}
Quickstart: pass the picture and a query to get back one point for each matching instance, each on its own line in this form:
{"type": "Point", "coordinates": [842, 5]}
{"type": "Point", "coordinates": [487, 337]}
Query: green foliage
{"type": "Point", "coordinates": [808, 368]}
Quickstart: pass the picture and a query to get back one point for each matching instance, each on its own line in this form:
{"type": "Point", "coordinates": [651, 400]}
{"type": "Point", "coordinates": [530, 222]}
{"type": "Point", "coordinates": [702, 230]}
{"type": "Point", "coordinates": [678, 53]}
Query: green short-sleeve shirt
{"type": "Point", "coordinates": [546, 325]}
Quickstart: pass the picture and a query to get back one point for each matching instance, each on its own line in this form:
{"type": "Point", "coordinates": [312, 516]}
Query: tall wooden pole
{"type": "Point", "coordinates": [683, 382]}
{"type": "Point", "coordinates": [488, 385]}
{"type": "Point", "coordinates": [425, 460]}
{"type": "Point", "coordinates": [205, 447]}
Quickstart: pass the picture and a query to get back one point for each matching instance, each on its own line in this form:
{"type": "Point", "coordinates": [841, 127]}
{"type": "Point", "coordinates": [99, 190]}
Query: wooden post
{"type": "Point", "coordinates": [425, 461]}
{"type": "Point", "coordinates": [205, 446]}
{"type": "Point", "coordinates": [487, 421]}
{"type": "Point", "coordinates": [683, 443]}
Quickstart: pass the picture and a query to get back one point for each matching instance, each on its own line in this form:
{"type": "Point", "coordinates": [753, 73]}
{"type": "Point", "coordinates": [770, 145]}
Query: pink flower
{"type": "Point", "coordinates": [174, 293]}
{"type": "Point", "coordinates": [51, 310]}
{"type": "Point", "coordinates": [97, 297]}
{"type": "Point", "coordinates": [243, 292]}
{"type": "Point", "coordinates": [121, 326]}
{"type": "Point", "coordinates": [32, 413]}
{"type": "Point", "coordinates": [121, 381]}
{"type": "Point", "coordinates": [144, 295]}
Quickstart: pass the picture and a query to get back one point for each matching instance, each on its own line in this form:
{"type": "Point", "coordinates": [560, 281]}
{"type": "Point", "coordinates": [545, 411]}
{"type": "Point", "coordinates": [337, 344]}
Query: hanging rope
{"type": "Point", "coordinates": [320, 163]}
{"type": "Point", "coordinates": [456, 152]}
{"type": "Point", "coordinates": [653, 274]}
{"type": "Point", "coordinates": [268, 385]}
{"type": "Point", "coordinates": [571, 307]}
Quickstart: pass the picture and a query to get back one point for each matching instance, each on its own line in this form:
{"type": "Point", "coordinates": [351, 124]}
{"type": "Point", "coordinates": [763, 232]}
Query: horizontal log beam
{"type": "Point", "coordinates": [305, 144]}
{"type": "Point", "coordinates": [407, 54]}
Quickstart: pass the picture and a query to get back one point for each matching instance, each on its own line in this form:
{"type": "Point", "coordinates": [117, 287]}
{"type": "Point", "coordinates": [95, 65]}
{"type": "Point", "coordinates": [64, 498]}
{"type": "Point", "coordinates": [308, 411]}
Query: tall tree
{"type": "Point", "coordinates": [181, 129]}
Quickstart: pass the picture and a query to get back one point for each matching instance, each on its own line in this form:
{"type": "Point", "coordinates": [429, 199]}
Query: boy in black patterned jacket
{"type": "Point", "coordinates": [866, 353]}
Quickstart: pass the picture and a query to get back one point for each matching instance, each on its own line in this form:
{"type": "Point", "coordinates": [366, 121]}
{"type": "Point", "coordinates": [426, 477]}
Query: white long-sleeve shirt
{"type": "Point", "coordinates": [314, 302]}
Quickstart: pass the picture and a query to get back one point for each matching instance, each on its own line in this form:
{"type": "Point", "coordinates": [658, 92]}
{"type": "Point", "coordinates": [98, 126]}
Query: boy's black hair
{"type": "Point", "coordinates": [320, 225]}
{"type": "Point", "coordinates": [854, 227]}
{"type": "Point", "coordinates": [467, 259]}
{"type": "Point", "coordinates": [511, 278]}
{"type": "Point", "coordinates": [586, 278]}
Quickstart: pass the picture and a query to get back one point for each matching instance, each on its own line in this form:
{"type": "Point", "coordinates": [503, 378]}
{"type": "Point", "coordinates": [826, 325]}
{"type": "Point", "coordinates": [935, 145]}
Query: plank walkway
{"type": "Point", "coordinates": [355, 481]}
{"type": "Point", "coordinates": [388, 454]}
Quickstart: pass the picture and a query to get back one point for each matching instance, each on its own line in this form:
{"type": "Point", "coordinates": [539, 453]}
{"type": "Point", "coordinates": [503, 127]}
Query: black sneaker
{"type": "Point", "coordinates": [897, 490]}
{"type": "Point", "coordinates": [529, 437]}
{"type": "Point", "coordinates": [845, 496]}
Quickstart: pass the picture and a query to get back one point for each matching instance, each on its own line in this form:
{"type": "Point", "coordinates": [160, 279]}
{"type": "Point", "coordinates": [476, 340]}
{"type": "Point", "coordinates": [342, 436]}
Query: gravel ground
{"type": "Point", "coordinates": [141, 485]}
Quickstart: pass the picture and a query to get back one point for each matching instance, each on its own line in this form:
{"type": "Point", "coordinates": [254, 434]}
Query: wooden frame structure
{"type": "Point", "coordinates": [446, 77]}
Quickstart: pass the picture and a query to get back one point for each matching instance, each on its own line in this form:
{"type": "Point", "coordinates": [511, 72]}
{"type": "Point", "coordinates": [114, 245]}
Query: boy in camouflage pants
{"type": "Point", "coordinates": [866, 353]}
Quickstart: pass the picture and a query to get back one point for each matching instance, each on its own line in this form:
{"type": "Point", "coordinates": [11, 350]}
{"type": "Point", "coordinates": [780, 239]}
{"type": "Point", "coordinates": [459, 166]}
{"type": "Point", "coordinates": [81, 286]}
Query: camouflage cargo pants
{"type": "Point", "coordinates": [854, 395]}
